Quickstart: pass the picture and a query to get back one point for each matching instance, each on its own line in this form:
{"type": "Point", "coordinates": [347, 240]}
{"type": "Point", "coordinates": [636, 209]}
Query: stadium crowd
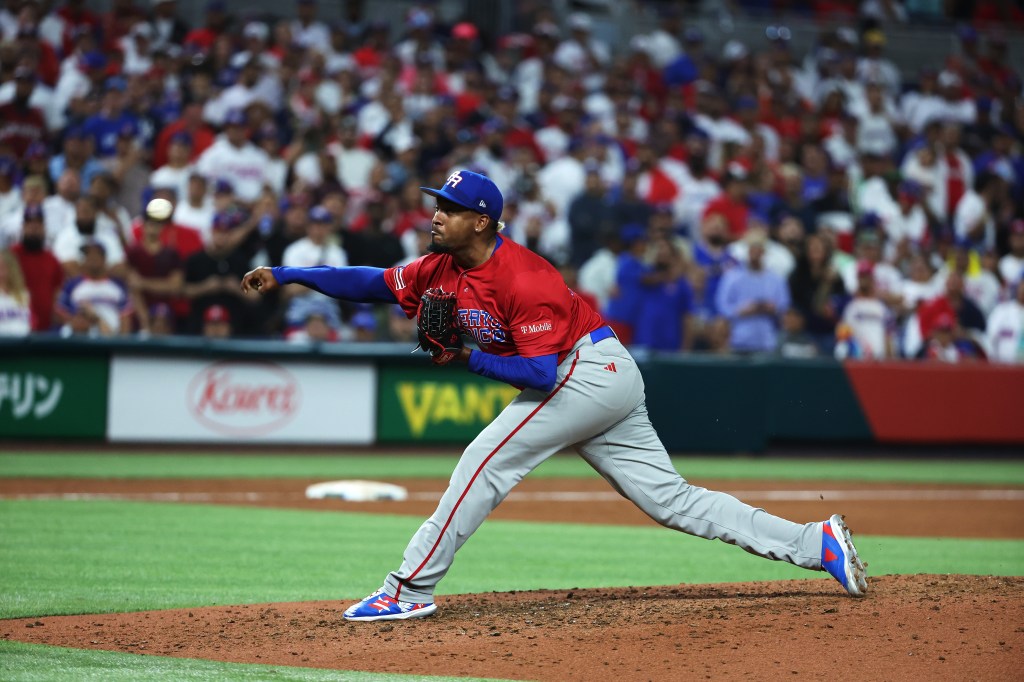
{"type": "Point", "coordinates": [744, 200]}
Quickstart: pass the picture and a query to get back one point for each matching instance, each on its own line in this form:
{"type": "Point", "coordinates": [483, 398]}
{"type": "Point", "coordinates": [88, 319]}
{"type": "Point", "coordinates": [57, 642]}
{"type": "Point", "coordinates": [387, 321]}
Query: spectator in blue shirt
{"type": "Point", "coordinates": [666, 301]}
{"type": "Point", "coordinates": [112, 120]}
{"type": "Point", "coordinates": [77, 155]}
{"type": "Point", "coordinates": [624, 304]}
{"type": "Point", "coordinates": [712, 257]}
{"type": "Point", "coordinates": [753, 299]}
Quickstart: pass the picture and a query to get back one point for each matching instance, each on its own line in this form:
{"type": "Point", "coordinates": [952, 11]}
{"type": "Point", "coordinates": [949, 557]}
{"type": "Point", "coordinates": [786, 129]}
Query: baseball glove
{"type": "Point", "coordinates": [435, 326]}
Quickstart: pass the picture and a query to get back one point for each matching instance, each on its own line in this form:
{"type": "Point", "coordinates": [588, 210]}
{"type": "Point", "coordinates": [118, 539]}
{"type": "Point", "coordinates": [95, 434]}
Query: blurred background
{"type": "Point", "coordinates": [818, 202]}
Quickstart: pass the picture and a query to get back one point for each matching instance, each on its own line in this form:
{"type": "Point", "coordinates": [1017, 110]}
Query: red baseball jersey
{"type": "Point", "coordinates": [515, 303]}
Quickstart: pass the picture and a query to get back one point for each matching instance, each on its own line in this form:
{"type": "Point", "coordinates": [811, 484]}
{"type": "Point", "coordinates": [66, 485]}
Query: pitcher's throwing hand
{"type": "Point", "coordinates": [261, 279]}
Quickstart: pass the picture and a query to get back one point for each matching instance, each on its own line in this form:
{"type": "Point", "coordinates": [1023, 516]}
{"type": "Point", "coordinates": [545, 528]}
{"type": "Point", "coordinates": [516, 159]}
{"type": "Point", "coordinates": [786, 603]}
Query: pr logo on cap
{"type": "Point", "coordinates": [471, 190]}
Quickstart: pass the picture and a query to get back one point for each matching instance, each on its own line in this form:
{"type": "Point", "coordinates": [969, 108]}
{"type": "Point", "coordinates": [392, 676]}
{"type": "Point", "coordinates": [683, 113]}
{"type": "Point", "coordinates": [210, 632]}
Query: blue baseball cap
{"type": "Point", "coordinates": [36, 150]}
{"type": "Point", "coordinates": [471, 190]}
{"type": "Point", "coordinates": [632, 233]}
{"type": "Point", "coordinates": [33, 212]}
{"type": "Point", "coordinates": [319, 214]}
{"type": "Point", "coordinates": [236, 117]}
{"type": "Point", "coordinates": [222, 221]}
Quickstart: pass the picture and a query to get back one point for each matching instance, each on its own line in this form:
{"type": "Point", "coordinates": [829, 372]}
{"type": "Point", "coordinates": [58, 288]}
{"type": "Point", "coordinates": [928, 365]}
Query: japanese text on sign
{"type": "Point", "coordinates": [29, 395]}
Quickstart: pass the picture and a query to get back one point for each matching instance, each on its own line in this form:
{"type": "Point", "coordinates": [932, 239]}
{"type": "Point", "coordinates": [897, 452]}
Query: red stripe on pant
{"type": "Point", "coordinates": [507, 438]}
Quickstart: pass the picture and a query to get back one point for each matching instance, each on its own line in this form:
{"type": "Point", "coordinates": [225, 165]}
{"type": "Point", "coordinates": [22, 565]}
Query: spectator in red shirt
{"type": "Point", "coordinates": [184, 240]}
{"type": "Point", "coordinates": [943, 344]}
{"type": "Point", "coordinates": [21, 124]}
{"type": "Point", "coordinates": [202, 39]}
{"type": "Point", "coordinates": [118, 21]}
{"type": "Point", "coordinates": [191, 122]}
{"type": "Point", "coordinates": [76, 17]}
{"type": "Point", "coordinates": [43, 273]}
{"type": "Point", "coordinates": [955, 303]}
{"type": "Point", "coordinates": [410, 209]}
{"type": "Point", "coordinates": [31, 48]}
{"type": "Point", "coordinates": [731, 204]}
{"type": "Point", "coordinates": [156, 271]}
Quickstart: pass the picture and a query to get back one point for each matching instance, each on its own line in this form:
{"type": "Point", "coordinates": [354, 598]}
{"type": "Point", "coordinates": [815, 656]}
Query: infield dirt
{"type": "Point", "coordinates": [923, 627]}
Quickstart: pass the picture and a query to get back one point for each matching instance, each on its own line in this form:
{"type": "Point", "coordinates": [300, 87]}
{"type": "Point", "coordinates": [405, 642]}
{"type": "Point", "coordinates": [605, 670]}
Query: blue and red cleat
{"type": "Point", "coordinates": [839, 557]}
{"type": "Point", "coordinates": [379, 606]}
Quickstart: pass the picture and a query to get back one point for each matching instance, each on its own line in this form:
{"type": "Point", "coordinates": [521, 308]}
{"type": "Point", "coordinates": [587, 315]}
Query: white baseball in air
{"type": "Point", "coordinates": [159, 209]}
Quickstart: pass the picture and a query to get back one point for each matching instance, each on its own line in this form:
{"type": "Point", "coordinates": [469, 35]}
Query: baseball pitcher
{"type": "Point", "coordinates": [580, 389]}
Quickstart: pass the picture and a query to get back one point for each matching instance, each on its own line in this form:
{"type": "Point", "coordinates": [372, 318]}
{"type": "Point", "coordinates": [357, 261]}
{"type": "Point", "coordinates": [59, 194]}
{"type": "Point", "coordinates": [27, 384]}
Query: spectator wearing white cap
{"type": "Point", "coordinates": [973, 219]}
{"type": "Point", "coordinates": [237, 160]}
{"type": "Point", "coordinates": [15, 310]}
{"type": "Point", "coordinates": [255, 84]}
{"type": "Point", "coordinates": [31, 194]}
{"type": "Point", "coordinates": [88, 228]}
{"type": "Point", "coordinates": [175, 173]}
{"type": "Point", "coordinates": [168, 29]}
{"type": "Point", "coordinates": [1011, 265]}
{"type": "Point", "coordinates": [320, 247]}
{"type": "Point", "coordinates": [711, 117]}
{"type": "Point", "coordinates": [136, 47]}
{"type": "Point", "coordinates": [907, 225]}
{"type": "Point", "coordinates": [872, 66]}
{"type": "Point", "coordinates": [309, 31]}
{"type": "Point", "coordinates": [1005, 328]}
{"type": "Point", "coordinates": [195, 209]}
{"type": "Point", "coordinates": [922, 104]}
{"type": "Point", "coordinates": [878, 121]}
{"type": "Point", "coordinates": [581, 54]}
{"type": "Point", "coordinates": [10, 194]}
{"type": "Point", "coordinates": [420, 42]}
{"type": "Point", "coordinates": [868, 318]}
{"type": "Point", "coordinates": [888, 281]}
{"type": "Point", "coordinates": [354, 163]}
{"type": "Point", "coordinates": [753, 299]}
{"type": "Point", "coordinates": [956, 105]}
{"type": "Point", "coordinates": [94, 303]}
{"type": "Point", "coordinates": [59, 208]}
{"type": "Point", "coordinates": [42, 97]}
{"type": "Point", "coordinates": [662, 44]}
{"type": "Point", "coordinates": [256, 34]}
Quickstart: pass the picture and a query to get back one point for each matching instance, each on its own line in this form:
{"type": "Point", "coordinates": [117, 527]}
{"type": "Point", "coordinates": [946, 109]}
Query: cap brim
{"type": "Point", "coordinates": [442, 194]}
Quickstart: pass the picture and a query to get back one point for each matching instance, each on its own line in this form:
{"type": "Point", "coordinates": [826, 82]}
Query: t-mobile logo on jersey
{"type": "Point", "coordinates": [535, 328]}
{"type": "Point", "coordinates": [482, 326]}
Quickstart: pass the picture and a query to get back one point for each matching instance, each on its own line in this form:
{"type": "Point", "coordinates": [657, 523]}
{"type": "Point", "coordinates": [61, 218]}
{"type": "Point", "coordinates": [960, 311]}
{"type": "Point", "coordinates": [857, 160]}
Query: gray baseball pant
{"type": "Point", "coordinates": [598, 408]}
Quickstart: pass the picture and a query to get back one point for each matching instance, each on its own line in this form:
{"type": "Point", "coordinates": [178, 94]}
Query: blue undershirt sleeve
{"type": "Point", "coordinates": [539, 372]}
{"type": "Point", "coordinates": [360, 284]}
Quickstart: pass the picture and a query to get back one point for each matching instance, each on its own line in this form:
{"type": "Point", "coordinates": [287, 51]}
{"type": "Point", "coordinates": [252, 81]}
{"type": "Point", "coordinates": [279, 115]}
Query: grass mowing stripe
{"type": "Point", "coordinates": [151, 465]}
{"type": "Point", "coordinates": [37, 663]}
{"type": "Point", "coordinates": [86, 557]}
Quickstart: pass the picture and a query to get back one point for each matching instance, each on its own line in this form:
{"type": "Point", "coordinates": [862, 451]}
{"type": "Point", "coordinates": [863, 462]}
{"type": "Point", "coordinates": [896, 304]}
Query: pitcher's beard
{"type": "Point", "coordinates": [434, 247]}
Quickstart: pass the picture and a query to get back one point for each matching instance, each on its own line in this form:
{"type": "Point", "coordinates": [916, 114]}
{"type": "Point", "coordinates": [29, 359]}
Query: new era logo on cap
{"type": "Point", "coordinates": [471, 190]}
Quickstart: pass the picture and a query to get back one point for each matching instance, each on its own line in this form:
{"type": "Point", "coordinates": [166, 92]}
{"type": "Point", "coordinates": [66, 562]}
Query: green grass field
{"type": "Point", "coordinates": [65, 557]}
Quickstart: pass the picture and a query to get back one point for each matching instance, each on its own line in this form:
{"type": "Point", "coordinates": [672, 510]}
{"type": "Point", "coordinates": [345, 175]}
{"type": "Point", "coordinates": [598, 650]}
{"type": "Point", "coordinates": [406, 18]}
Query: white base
{"type": "Point", "coordinates": [357, 491]}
